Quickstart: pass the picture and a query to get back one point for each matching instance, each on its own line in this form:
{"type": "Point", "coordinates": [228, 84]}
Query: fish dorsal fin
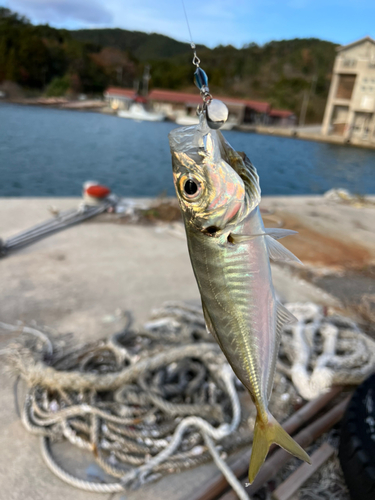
{"type": "Point", "coordinates": [250, 178]}
{"type": "Point", "coordinates": [244, 168]}
{"type": "Point", "coordinates": [278, 253]}
{"type": "Point", "coordinates": [283, 317]}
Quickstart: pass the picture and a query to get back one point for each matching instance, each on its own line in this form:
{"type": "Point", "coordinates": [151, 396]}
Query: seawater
{"type": "Point", "coordinates": [51, 152]}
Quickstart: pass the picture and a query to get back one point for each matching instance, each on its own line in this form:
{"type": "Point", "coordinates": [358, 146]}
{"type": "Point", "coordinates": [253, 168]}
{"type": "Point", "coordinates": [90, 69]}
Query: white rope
{"type": "Point", "coordinates": [227, 471]}
{"type": "Point", "coordinates": [340, 354]}
{"type": "Point", "coordinates": [72, 480]}
{"type": "Point", "coordinates": [32, 331]}
{"type": "Point", "coordinates": [315, 353]}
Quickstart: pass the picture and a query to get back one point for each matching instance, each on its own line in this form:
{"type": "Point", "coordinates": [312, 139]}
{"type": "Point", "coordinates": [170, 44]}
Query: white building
{"type": "Point", "coordinates": [350, 109]}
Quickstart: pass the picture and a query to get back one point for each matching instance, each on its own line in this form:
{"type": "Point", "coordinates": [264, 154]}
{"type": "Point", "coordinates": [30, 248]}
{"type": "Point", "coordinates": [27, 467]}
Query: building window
{"type": "Point", "coordinates": [349, 62]}
{"type": "Point", "coordinates": [339, 119]}
{"type": "Point", "coordinates": [345, 86]}
{"type": "Point", "coordinates": [363, 88]}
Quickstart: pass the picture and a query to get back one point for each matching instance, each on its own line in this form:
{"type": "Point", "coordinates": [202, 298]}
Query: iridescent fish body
{"type": "Point", "coordinates": [230, 250]}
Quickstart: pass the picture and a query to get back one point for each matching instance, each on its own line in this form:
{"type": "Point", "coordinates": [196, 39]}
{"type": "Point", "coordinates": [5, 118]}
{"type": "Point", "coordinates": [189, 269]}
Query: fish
{"type": "Point", "coordinates": [230, 250]}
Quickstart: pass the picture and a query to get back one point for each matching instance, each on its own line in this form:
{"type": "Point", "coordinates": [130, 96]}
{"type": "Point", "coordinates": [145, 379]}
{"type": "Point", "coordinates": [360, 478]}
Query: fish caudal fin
{"type": "Point", "coordinates": [266, 433]}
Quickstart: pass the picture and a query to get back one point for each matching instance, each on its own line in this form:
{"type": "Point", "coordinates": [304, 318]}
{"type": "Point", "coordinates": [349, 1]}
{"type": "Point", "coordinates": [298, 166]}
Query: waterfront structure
{"type": "Point", "coordinates": [119, 99]}
{"type": "Point", "coordinates": [350, 109]}
{"type": "Point", "coordinates": [177, 104]}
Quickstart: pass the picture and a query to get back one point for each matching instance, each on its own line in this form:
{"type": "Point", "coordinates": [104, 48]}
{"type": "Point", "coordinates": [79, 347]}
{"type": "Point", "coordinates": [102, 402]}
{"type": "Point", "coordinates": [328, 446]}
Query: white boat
{"type": "Point", "coordinates": [194, 120]}
{"type": "Point", "coordinates": [187, 120]}
{"type": "Point", "coordinates": [138, 112]}
{"type": "Point", "coordinates": [228, 125]}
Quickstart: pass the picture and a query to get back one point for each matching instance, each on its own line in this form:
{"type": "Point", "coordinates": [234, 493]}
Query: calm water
{"type": "Point", "coordinates": [46, 152]}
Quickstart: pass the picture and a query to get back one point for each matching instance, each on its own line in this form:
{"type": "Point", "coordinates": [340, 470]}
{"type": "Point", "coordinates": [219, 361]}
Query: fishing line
{"type": "Point", "coordinates": [218, 114]}
{"type": "Point", "coordinates": [192, 44]}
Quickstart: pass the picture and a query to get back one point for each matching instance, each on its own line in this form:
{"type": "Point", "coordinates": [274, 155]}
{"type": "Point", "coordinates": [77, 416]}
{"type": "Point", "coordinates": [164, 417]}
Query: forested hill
{"type": "Point", "coordinates": [279, 71]}
{"type": "Point", "coordinates": [56, 62]}
{"type": "Point", "coordinates": [143, 46]}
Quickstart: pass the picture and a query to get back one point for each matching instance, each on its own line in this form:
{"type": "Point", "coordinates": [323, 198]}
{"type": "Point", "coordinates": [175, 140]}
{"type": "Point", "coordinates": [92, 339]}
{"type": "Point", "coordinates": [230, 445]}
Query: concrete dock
{"type": "Point", "coordinates": [76, 280]}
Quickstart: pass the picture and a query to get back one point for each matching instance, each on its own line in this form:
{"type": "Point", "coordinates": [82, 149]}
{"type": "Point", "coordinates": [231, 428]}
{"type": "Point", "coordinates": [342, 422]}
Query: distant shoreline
{"type": "Point", "coordinates": [99, 106]}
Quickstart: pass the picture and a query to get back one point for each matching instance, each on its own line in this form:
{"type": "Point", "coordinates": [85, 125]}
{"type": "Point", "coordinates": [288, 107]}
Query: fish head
{"type": "Point", "coordinates": [210, 189]}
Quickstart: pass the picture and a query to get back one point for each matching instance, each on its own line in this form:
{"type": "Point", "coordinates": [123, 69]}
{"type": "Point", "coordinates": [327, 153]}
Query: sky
{"type": "Point", "coordinates": [212, 22]}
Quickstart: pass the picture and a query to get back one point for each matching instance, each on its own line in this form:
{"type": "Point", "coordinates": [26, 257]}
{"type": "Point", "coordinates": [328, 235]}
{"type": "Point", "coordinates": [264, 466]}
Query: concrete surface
{"type": "Point", "coordinates": [73, 280]}
{"type": "Point", "coordinates": [351, 223]}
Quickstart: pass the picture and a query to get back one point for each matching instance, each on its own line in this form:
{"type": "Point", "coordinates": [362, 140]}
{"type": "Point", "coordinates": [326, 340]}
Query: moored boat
{"type": "Point", "coordinates": [138, 112]}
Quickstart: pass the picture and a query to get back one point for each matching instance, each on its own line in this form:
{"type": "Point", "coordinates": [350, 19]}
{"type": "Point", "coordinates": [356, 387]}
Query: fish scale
{"type": "Point", "coordinates": [212, 269]}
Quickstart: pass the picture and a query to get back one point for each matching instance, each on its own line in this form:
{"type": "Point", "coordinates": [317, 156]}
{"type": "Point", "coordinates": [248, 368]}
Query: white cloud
{"type": "Point", "coordinates": [211, 21]}
{"type": "Point", "coordinates": [61, 12]}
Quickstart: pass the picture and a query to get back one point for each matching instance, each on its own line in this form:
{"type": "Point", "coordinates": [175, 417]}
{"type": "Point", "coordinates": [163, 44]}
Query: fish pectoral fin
{"type": "Point", "coordinates": [266, 433]}
{"type": "Point", "coordinates": [278, 253]}
{"type": "Point", "coordinates": [235, 239]}
{"type": "Point", "coordinates": [277, 232]}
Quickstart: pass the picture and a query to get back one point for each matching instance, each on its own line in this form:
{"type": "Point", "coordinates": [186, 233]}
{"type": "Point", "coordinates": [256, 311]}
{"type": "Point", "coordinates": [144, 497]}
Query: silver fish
{"type": "Point", "coordinates": [230, 250]}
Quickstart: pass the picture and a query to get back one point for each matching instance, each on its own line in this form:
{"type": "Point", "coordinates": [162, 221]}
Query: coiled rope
{"type": "Point", "coordinates": [157, 400]}
{"type": "Point", "coordinates": [145, 402]}
{"type": "Point", "coordinates": [321, 351]}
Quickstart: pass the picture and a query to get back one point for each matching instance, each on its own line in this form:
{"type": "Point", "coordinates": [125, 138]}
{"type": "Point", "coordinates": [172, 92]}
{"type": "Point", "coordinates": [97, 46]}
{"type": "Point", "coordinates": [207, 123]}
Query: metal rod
{"type": "Point", "coordinates": [304, 438]}
{"type": "Point", "coordinates": [66, 219]}
{"type": "Point", "coordinates": [216, 486]}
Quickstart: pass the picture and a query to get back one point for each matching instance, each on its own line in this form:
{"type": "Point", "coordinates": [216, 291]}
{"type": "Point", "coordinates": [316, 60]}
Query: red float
{"type": "Point", "coordinates": [98, 191]}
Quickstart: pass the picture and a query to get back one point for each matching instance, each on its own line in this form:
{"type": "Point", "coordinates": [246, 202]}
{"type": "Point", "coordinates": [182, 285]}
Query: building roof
{"type": "Point", "coordinates": [174, 96]}
{"type": "Point", "coordinates": [187, 98]}
{"type": "Point", "coordinates": [280, 113]}
{"type": "Point", "coordinates": [357, 42]}
{"type": "Point", "coordinates": [259, 106]}
{"type": "Point", "coordinates": [129, 93]}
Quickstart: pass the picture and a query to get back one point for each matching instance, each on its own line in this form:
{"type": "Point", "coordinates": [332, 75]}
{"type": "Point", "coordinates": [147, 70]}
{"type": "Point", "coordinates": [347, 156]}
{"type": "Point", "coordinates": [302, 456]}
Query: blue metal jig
{"type": "Point", "coordinates": [201, 79]}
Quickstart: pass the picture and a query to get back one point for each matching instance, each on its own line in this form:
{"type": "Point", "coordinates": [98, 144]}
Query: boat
{"type": "Point", "coordinates": [138, 112]}
{"type": "Point", "coordinates": [187, 120]}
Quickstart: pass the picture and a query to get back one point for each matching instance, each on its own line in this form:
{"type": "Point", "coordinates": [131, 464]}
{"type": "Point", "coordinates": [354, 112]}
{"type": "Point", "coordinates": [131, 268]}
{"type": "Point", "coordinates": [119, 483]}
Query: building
{"type": "Point", "coordinates": [118, 98]}
{"type": "Point", "coordinates": [350, 109]}
{"type": "Point", "coordinates": [174, 104]}
{"type": "Point", "coordinates": [281, 118]}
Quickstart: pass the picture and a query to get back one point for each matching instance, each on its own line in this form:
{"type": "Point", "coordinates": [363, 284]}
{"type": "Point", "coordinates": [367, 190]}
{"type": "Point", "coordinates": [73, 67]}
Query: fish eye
{"type": "Point", "coordinates": [190, 187]}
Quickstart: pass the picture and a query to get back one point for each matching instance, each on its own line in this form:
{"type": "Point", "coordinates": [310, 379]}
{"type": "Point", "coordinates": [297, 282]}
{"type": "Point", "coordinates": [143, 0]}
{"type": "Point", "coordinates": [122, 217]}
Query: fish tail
{"type": "Point", "coordinates": [266, 433]}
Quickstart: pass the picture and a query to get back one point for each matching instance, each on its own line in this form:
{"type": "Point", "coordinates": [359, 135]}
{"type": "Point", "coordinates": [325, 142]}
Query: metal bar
{"type": "Point", "coordinates": [217, 485]}
{"type": "Point", "coordinates": [66, 219]}
{"type": "Point", "coordinates": [303, 473]}
{"type": "Point", "coordinates": [304, 438]}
